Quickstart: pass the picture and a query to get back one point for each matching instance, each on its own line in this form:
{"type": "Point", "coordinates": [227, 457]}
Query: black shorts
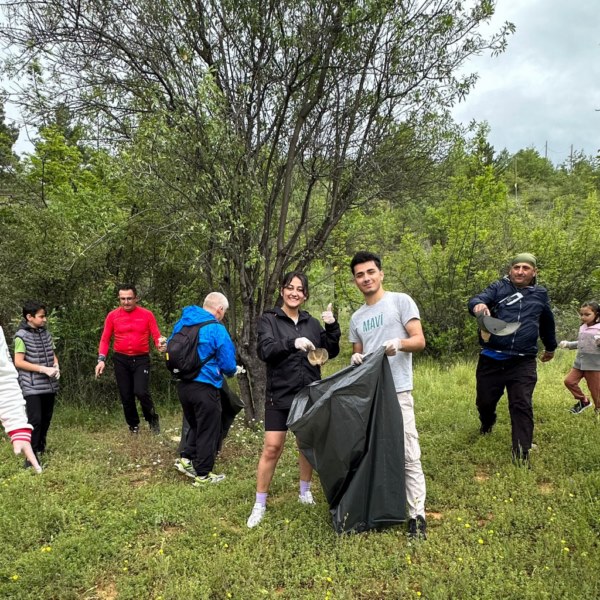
{"type": "Point", "coordinates": [276, 418]}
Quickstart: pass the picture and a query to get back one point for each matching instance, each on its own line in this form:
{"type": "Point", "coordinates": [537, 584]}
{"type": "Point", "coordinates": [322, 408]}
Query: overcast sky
{"type": "Point", "coordinates": [545, 88]}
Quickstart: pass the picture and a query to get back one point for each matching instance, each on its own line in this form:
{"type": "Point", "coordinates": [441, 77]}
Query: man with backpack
{"type": "Point", "coordinates": [199, 353]}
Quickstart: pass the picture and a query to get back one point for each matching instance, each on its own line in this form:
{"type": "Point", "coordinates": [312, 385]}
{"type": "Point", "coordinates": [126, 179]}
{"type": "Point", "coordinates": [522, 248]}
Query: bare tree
{"type": "Point", "coordinates": [263, 119]}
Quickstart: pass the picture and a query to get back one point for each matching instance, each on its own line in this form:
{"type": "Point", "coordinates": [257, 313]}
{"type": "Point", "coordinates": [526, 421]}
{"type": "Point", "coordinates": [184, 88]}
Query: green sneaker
{"type": "Point", "coordinates": [184, 465]}
{"type": "Point", "coordinates": [207, 479]}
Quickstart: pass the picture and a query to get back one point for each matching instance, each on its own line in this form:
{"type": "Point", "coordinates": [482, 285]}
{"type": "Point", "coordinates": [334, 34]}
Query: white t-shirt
{"type": "Point", "coordinates": [374, 324]}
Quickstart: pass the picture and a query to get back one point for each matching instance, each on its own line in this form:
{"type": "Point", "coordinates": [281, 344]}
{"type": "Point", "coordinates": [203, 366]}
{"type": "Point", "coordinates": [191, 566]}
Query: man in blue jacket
{"type": "Point", "coordinates": [509, 361]}
{"type": "Point", "coordinates": [200, 398]}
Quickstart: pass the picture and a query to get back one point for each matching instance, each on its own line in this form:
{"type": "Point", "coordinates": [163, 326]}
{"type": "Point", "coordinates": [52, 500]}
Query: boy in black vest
{"type": "Point", "coordinates": [38, 370]}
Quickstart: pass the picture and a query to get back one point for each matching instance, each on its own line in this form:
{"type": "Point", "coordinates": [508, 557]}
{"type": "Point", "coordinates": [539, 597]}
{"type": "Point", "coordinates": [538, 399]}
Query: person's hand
{"type": "Point", "coordinates": [49, 371]}
{"type": "Point", "coordinates": [393, 346]}
{"type": "Point", "coordinates": [100, 368]}
{"type": "Point", "coordinates": [21, 446]}
{"type": "Point", "coordinates": [327, 316]}
{"type": "Point", "coordinates": [481, 308]}
{"type": "Point", "coordinates": [597, 338]}
{"type": "Point", "coordinates": [57, 374]}
{"type": "Point", "coordinates": [162, 344]}
{"type": "Point", "coordinates": [563, 344]}
{"type": "Point", "coordinates": [239, 370]}
{"type": "Point", "coordinates": [304, 344]}
{"type": "Point", "coordinates": [357, 359]}
{"type": "Point", "coordinates": [547, 356]}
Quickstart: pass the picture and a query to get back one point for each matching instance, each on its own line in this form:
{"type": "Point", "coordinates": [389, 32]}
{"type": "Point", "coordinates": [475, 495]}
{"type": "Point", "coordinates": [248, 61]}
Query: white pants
{"type": "Point", "coordinates": [413, 472]}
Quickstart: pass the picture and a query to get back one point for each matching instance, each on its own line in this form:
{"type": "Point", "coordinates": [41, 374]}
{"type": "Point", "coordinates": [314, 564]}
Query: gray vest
{"type": "Point", "coordinates": [38, 350]}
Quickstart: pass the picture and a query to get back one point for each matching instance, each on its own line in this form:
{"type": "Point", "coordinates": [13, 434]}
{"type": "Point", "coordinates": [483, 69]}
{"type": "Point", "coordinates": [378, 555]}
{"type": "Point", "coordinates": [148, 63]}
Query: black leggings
{"type": "Point", "coordinates": [39, 409]}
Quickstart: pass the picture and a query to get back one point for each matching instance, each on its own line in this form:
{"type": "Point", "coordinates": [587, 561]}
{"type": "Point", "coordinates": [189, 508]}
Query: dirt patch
{"type": "Point", "coordinates": [481, 476]}
{"type": "Point", "coordinates": [103, 591]}
{"type": "Point", "coordinates": [436, 516]}
{"type": "Point", "coordinates": [545, 487]}
{"type": "Point", "coordinates": [483, 521]}
{"type": "Point", "coordinates": [139, 477]}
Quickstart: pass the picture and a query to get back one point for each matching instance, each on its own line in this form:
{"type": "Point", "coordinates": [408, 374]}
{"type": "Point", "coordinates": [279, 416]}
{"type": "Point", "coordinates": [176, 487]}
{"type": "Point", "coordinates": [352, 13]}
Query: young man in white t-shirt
{"type": "Point", "coordinates": [392, 320]}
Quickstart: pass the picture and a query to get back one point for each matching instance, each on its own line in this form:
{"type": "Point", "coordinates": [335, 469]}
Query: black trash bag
{"type": "Point", "coordinates": [349, 426]}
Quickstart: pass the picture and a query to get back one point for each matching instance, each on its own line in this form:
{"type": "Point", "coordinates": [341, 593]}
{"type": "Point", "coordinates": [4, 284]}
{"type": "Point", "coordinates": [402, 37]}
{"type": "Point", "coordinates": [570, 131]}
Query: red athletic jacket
{"type": "Point", "coordinates": [131, 330]}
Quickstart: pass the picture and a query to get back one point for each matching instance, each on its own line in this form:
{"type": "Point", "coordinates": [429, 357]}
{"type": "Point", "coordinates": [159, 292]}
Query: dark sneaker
{"type": "Point", "coordinates": [155, 425]}
{"type": "Point", "coordinates": [486, 428]}
{"type": "Point", "coordinates": [184, 465]}
{"type": "Point", "coordinates": [580, 406]}
{"type": "Point", "coordinates": [417, 528]}
{"type": "Point", "coordinates": [135, 429]}
{"type": "Point", "coordinates": [520, 458]}
{"type": "Point", "coordinates": [27, 464]}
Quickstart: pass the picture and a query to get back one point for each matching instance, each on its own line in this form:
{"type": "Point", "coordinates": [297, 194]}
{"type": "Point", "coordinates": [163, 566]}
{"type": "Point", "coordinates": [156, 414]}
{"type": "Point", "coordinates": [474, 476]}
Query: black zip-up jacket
{"type": "Point", "coordinates": [288, 369]}
{"type": "Point", "coordinates": [532, 310]}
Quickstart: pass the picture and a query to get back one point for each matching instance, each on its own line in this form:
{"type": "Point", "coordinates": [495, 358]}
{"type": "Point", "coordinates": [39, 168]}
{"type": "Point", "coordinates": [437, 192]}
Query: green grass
{"type": "Point", "coordinates": [111, 518]}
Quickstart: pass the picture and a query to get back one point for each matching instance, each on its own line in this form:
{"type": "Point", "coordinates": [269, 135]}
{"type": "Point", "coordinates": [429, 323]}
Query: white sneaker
{"type": "Point", "coordinates": [257, 514]}
{"type": "Point", "coordinates": [306, 498]}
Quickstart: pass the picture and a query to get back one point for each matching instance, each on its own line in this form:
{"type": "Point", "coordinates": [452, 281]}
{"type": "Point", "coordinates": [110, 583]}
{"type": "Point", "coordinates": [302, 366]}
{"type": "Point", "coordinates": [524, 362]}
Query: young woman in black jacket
{"type": "Point", "coordinates": [285, 336]}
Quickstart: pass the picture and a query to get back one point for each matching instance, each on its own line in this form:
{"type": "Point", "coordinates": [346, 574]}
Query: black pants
{"type": "Point", "coordinates": [201, 405]}
{"type": "Point", "coordinates": [133, 379]}
{"type": "Point", "coordinates": [230, 407]}
{"type": "Point", "coordinates": [39, 409]}
{"type": "Point", "coordinates": [518, 376]}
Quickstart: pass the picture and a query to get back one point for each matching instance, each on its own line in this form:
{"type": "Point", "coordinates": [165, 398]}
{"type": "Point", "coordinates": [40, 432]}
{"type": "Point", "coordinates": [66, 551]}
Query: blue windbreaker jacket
{"type": "Point", "coordinates": [212, 340]}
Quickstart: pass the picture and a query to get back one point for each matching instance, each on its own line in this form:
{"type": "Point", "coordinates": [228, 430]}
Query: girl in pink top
{"type": "Point", "coordinates": [587, 361]}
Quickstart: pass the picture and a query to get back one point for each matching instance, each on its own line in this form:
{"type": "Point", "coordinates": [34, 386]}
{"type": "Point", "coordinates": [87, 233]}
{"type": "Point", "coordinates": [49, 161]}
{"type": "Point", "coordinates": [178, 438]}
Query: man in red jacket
{"type": "Point", "coordinates": [131, 326]}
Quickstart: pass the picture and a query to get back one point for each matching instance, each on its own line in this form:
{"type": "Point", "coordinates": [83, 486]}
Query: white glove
{"type": "Point", "coordinates": [392, 347]}
{"type": "Point", "coordinates": [327, 316]}
{"type": "Point", "coordinates": [304, 344]}
{"type": "Point", "coordinates": [357, 358]}
{"type": "Point", "coordinates": [49, 371]}
{"type": "Point", "coordinates": [563, 344]}
{"type": "Point", "coordinates": [239, 370]}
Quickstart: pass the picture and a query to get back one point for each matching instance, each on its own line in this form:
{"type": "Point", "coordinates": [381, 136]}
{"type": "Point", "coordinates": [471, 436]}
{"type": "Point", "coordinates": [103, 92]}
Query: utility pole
{"type": "Point", "coordinates": [571, 158]}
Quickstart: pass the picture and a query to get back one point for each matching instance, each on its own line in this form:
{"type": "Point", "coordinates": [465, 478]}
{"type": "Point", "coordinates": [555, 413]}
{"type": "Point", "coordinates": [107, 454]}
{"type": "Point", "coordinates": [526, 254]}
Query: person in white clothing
{"type": "Point", "coordinates": [12, 407]}
{"type": "Point", "coordinates": [392, 319]}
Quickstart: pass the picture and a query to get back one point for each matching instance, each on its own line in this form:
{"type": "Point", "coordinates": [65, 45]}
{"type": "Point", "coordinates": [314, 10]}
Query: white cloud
{"type": "Point", "coordinates": [546, 87]}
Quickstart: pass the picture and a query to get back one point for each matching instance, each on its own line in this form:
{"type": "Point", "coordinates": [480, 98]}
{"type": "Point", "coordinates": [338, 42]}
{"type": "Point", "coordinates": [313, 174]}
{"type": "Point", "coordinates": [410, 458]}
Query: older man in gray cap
{"type": "Point", "coordinates": [508, 358]}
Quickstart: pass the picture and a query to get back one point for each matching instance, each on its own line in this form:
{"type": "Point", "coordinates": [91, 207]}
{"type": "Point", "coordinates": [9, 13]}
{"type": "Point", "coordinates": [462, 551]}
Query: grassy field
{"type": "Point", "coordinates": [110, 517]}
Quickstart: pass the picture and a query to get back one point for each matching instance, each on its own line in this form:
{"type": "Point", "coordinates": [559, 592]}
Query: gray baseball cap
{"type": "Point", "coordinates": [495, 326]}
